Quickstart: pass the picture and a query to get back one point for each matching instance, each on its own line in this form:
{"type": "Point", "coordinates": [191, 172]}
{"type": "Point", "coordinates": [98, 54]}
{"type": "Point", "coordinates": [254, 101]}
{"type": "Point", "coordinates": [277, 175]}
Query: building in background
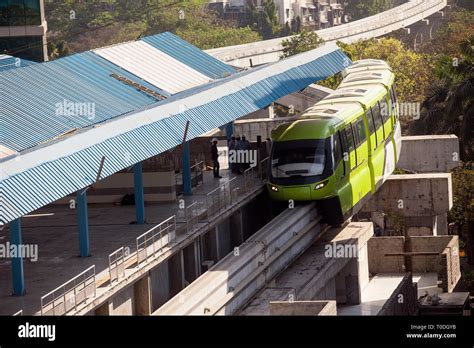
{"type": "Point", "coordinates": [315, 14]}
{"type": "Point", "coordinates": [23, 29]}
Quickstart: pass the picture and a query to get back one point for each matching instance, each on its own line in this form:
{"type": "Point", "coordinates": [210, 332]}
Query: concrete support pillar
{"type": "Point", "coordinates": [103, 309]}
{"type": "Point", "coordinates": [176, 273]}
{"type": "Point", "coordinates": [18, 277]}
{"type": "Point", "coordinates": [139, 196]}
{"type": "Point", "coordinates": [187, 185]}
{"type": "Point", "coordinates": [353, 278]}
{"type": "Point", "coordinates": [142, 294]}
{"type": "Point", "coordinates": [190, 263]}
{"type": "Point", "coordinates": [236, 231]}
{"type": "Point", "coordinates": [83, 223]}
{"type": "Point", "coordinates": [223, 239]}
{"type": "Point", "coordinates": [229, 130]}
{"type": "Point", "coordinates": [160, 287]}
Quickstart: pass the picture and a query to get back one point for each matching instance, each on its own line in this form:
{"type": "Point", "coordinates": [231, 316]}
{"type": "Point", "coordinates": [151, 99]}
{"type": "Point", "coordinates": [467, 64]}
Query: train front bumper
{"type": "Point", "coordinates": [309, 192]}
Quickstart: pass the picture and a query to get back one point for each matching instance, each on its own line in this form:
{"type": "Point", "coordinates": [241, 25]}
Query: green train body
{"type": "Point", "coordinates": [343, 148]}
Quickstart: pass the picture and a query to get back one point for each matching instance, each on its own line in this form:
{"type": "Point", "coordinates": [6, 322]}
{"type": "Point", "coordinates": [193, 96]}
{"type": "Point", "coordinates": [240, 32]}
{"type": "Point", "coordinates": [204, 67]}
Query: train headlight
{"type": "Point", "coordinates": [274, 188]}
{"type": "Point", "coordinates": [321, 185]}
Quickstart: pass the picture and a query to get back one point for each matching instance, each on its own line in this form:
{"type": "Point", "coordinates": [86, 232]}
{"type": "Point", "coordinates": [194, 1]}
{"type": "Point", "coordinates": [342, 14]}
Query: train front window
{"type": "Point", "coordinates": [298, 158]}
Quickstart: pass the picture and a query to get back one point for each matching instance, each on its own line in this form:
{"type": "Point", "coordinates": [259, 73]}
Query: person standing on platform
{"type": "Point", "coordinates": [215, 159]}
{"type": "Point", "coordinates": [231, 146]}
{"type": "Point", "coordinates": [246, 148]}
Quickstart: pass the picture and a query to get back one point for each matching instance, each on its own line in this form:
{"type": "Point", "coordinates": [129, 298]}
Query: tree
{"type": "Point", "coordinates": [84, 25]}
{"type": "Point", "coordinates": [265, 21]}
{"type": "Point", "coordinates": [219, 37]}
{"type": "Point", "coordinates": [305, 41]}
{"type": "Point", "coordinates": [449, 107]}
{"type": "Point", "coordinates": [357, 9]}
{"type": "Point", "coordinates": [412, 70]}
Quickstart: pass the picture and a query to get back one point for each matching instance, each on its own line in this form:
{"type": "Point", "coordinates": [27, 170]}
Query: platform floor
{"type": "Point", "coordinates": [58, 247]}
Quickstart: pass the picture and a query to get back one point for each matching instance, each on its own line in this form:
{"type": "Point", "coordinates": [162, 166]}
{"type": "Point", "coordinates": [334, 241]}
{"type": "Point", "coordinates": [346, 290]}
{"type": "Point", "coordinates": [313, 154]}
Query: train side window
{"type": "Point", "coordinates": [385, 109]}
{"type": "Point", "coordinates": [376, 114]}
{"type": "Point", "coordinates": [370, 121]}
{"type": "Point", "coordinates": [337, 148]}
{"type": "Point", "coordinates": [349, 138]}
{"type": "Point", "coordinates": [359, 130]}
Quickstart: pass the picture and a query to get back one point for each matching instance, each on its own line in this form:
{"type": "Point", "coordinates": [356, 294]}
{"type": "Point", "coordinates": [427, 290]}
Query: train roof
{"type": "Point", "coordinates": [366, 94]}
{"type": "Point", "coordinates": [382, 76]}
{"type": "Point", "coordinates": [364, 83]}
{"type": "Point", "coordinates": [365, 65]}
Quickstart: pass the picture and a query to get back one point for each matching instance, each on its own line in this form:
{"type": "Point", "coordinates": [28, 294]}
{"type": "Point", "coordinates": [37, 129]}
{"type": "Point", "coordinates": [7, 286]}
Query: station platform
{"type": "Point", "coordinates": [54, 230]}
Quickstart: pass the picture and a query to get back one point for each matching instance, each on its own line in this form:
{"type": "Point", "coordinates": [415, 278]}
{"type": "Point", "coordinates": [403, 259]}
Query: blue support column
{"type": "Point", "coordinates": [187, 185]}
{"type": "Point", "coordinates": [18, 277]}
{"type": "Point", "coordinates": [139, 196]}
{"type": "Point", "coordinates": [83, 222]}
{"type": "Point", "coordinates": [229, 130]}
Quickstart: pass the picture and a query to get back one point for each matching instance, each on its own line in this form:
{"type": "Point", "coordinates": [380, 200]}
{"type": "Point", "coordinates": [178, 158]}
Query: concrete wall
{"type": "Point", "coordinates": [446, 264]}
{"type": "Point", "coordinates": [303, 308]}
{"type": "Point", "coordinates": [158, 187]}
{"type": "Point", "coordinates": [413, 195]}
{"type": "Point", "coordinates": [262, 126]}
{"type": "Point", "coordinates": [404, 300]}
{"type": "Point", "coordinates": [378, 247]}
{"type": "Point", "coordinates": [429, 153]}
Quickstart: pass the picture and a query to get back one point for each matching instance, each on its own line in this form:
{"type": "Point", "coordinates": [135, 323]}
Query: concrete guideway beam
{"type": "Point", "coordinates": [230, 282]}
{"type": "Point", "coordinates": [334, 268]}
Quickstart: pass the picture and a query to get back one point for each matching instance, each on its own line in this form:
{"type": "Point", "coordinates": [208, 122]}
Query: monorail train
{"type": "Point", "coordinates": [342, 149]}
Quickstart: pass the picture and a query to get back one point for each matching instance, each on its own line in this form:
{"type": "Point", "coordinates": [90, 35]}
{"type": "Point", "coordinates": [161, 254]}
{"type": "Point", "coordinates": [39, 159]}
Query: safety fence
{"type": "Point", "coordinates": [117, 264]}
{"type": "Point", "coordinates": [197, 177]}
{"type": "Point", "coordinates": [155, 239]}
{"type": "Point", "coordinates": [71, 294]}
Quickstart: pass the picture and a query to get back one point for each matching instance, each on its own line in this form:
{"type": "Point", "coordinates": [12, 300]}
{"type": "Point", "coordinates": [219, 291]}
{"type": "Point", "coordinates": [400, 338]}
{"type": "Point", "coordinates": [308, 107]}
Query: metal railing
{"type": "Point", "coordinates": [192, 216]}
{"type": "Point", "coordinates": [152, 241]}
{"type": "Point", "coordinates": [221, 197]}
{"type": "Point", "coordinates": [197, 176]}
{"type": "Point", "coordinates": [69, 295]}
{"type": "Point", "coordinates": [117, 264]}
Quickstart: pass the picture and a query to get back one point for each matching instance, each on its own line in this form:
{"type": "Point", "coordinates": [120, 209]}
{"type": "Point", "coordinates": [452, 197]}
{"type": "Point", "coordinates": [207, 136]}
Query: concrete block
{"type": "Point", "coordinates": [413, 195]}
{"type": "Point", "coordinates": [429, 153]}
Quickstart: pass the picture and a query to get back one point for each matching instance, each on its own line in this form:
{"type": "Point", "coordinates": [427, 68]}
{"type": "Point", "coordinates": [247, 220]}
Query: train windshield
{"type": "Point", "coordinates": [298, 158]}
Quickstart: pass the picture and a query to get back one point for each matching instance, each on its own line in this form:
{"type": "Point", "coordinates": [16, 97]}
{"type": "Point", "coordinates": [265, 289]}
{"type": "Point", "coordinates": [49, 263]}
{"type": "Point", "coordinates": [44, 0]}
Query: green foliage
{"type": "Point", "coordinates": [463, 193]}
{"type": "Point", "coordinates": [305, 41]}
{"type": "Point", "coordinates": [449, 107]}
{"type": "Point", "coordinates": [219, 37]}
{"type": "Point", "coordinates": [412, 70]}
{"type": "Point", "coordinates": [264, 22]}
{"type": "Point", "coordinates": [85, 25]}
{"type": "Point", "coordinates": [358, 9]}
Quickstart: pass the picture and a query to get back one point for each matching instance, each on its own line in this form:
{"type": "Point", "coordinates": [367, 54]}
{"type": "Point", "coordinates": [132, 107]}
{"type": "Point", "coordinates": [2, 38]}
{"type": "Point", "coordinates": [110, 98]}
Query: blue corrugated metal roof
{"type": "Point", "coordinates": [190, 55]}
{"type": "Point", "coordinates": [154, 130]}
{"type": "Point", "coordinates": [31, 98]}
{"type": "Point", "coordinates": [8, 62]}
